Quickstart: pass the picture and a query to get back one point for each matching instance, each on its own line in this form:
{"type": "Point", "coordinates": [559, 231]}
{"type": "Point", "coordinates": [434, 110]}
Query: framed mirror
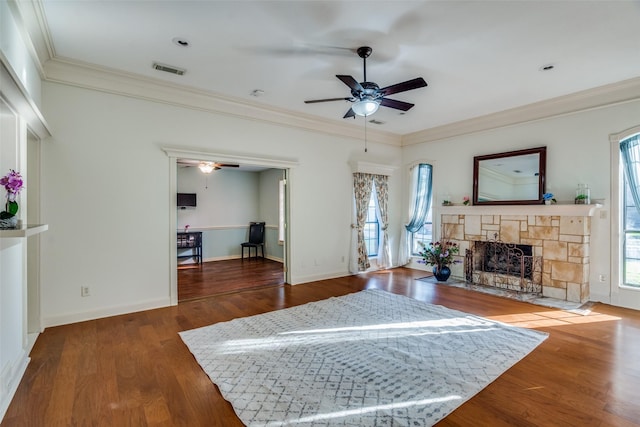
{"type": "Point", "coordinates": [510, 178]}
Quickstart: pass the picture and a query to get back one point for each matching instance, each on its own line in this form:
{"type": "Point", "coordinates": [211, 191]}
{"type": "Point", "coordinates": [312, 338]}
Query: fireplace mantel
{"type": "Point", "coordinates": [544, 210]}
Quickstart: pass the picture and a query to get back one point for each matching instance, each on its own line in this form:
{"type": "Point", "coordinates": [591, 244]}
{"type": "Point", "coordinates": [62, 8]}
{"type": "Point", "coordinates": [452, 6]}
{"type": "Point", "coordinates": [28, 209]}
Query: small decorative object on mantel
{"type": "Point", "coordinates": [583, 195]}
{"type": "Point", "coordinates": [440, 255]}
{"type": "Point", "coordinates": [186, 228]}
{"type": "Point", "coordinates": [12, 182]}
{"type": "Point", "coordinates": [548, 198]}
{"type": "Point", "coordinates": [465, 200]}
{"type": "Point", "coordinates": [446, 200]}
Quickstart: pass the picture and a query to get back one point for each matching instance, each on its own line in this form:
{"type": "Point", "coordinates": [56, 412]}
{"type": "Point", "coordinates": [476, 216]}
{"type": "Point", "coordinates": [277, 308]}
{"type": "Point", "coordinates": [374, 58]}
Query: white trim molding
{"type": "Point", "coordinates": [89, 76]}
{"type": "Point", "coordinates": [599, 97]}
{"type": "Point", "coordinates": [372, 168]}
{"type": "Point", "coordinates": [199, 154]}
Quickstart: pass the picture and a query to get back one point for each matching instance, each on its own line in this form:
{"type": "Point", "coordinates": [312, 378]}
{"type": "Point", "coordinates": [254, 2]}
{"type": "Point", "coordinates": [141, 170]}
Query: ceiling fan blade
{"type": "Point", "coordinates": [351, 82]}
{"type": "Point", "coordinates": [313, 101]}
{"type": "Point", "coordinates": [404, 86]}
{"type": "Point", "coordinates": [350, 113]}
{"type": "Point", "coordinates": [398, 105]}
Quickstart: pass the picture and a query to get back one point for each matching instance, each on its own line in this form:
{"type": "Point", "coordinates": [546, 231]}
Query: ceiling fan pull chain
{"type": "Point", "coordinates": [365, 134]}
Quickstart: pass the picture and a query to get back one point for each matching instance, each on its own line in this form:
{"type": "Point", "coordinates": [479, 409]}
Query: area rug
{"type": "Point", "coordinates": [371, 358]}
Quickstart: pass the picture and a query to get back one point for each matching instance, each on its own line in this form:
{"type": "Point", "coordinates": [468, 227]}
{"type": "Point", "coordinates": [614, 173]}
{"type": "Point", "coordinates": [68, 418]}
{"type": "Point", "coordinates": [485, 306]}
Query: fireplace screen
{"type": "Point", "coordinates": [503, 265]}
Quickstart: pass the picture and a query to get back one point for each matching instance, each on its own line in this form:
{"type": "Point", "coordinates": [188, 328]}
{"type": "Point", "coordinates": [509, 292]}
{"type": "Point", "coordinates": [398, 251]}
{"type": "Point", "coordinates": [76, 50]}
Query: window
{"type": "Point", "coordinates": [630, 218]}
{"type": "Point", "coordinates": [420, 226]}
{"type": "Point", "coordinates": [372, 227]}
{"type": "Point", "coordinates": [631, 239]}
{"type": "Point", "coordinates": [424, 235]}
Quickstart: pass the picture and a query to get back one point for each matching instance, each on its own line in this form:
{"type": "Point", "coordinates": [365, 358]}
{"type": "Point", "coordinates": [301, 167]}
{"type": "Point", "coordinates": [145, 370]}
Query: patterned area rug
{"type": "Point", "coordinates": [371, 358]}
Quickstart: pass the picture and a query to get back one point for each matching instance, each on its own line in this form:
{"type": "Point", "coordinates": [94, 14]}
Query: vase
{"type": "Point", "coordinates": [441, 274]}
{"type": "Point", "coordinates": [9, 223]}
{"type": "Point", "coordinates": [547, 202]}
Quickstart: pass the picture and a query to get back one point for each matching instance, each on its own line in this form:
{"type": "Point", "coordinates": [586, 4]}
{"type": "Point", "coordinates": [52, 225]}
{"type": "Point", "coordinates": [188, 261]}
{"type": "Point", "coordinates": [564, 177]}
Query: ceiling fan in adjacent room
{"type": "Point", "coordinates": [367, 96]}
{"type": "Point", "coordinates": [206, 167]}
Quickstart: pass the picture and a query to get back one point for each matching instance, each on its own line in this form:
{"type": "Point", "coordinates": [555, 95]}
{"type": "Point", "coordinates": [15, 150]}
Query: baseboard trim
{"type": "Point", "coordinates": [12, 377]}
{"type": "Point", "coordinates": [229, 257]}
{"type": "Point", "coordinates": [316, 277]}
{"type": "Point", "coordinates": [104, 312]}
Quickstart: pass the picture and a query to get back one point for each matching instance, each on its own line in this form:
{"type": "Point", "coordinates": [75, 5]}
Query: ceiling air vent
{"type": "Point", "coordinates": [376, 122]}
{"type": "Point", "coordinates": [169, 69]}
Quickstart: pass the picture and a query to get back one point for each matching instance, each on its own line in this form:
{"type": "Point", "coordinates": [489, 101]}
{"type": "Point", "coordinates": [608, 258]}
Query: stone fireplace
{"type": "Point", "coordinates": [558, 236]}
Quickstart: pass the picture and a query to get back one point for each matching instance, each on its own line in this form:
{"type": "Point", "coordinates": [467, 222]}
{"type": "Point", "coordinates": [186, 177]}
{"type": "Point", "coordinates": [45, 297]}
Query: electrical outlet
{"type": "Point", "coordinates": [602, 278]}
{"type": "Point", "coordinates": [84, 291]}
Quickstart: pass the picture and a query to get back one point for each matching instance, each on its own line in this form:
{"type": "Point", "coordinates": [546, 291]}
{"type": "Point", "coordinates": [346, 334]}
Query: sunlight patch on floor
{"type": "Point", "coordinates": [455, 325]}
{"type": "Point", "coordinates": [541, 319]}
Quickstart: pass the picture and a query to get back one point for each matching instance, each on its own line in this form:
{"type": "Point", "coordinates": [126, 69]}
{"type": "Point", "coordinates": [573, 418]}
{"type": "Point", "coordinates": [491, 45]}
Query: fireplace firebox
{"type": "Point", "coordinates": [503, 265]}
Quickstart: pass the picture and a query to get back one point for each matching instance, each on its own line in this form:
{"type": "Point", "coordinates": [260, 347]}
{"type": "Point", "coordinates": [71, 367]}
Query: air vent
{"type": "Point", "coordinates": [376, 122]}
{"type": "Point", "coordinates": [169, 69]}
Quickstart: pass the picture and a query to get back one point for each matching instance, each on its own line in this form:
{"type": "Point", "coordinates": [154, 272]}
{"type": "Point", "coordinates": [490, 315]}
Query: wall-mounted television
{"type": "Point", "coordinates": [186, 200]}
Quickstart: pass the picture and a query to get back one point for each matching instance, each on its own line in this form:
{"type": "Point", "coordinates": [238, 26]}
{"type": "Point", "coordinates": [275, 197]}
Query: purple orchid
{"type": "Point", "coordinates": [12, 182]}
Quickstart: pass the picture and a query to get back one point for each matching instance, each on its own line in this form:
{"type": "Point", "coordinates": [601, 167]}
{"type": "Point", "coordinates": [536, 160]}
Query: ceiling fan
{"type": "Point", "coordinates": [206, 167]}
{"type": "Point", "coordinates": [367, 96]}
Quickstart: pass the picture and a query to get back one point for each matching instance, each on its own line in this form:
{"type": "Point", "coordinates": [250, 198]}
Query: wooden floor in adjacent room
{"type": "Point", "coordinates": [219, 277]}
{"type": "Point", "coordinates": [134, 370]}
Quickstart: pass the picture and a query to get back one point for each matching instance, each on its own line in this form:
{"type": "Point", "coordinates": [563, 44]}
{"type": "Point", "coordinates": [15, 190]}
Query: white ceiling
{"type": "Point", "coordinates": [478, 57]}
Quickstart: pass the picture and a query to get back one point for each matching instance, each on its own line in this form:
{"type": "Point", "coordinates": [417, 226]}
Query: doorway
{"type": "Point", "coordinates": [284, 168]}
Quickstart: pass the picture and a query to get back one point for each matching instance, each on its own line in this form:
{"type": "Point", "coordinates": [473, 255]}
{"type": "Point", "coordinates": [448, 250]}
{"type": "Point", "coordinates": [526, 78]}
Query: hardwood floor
{"type": "Point", "coordinates": [134, 370]}
{"type": "Point", "coordinates": [218, 277]}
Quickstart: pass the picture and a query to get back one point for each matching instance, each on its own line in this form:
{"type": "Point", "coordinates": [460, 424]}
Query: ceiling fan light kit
{"type": "Point", "coordinates": [206, 167]}
{"type": "Point", "coordinates": [365, 107]}
{"type": "Point", "coordinates": [367, 97]}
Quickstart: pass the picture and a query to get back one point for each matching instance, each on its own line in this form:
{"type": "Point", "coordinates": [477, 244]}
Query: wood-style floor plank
{"type": "Point", "coordinates": [219, 277]}
{"type": "Point", "coordinates": [134, 370]}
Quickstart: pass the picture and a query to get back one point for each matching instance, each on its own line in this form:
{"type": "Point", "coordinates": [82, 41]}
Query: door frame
{"type": "Point", "coordinates": [175, 153]}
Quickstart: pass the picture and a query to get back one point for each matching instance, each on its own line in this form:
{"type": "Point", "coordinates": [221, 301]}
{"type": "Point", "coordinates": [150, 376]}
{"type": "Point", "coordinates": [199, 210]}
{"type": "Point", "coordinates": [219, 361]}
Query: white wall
{"type": "Point", "coordinates": [224, 197]}
{"type": "Point", "coordinates": [578, 151]}
{"type": "Point", "coordinates": [106, 196]}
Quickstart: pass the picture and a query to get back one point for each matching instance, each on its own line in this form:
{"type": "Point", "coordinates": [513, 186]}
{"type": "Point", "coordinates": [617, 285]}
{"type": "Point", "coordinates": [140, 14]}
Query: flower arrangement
{"type": "Point", "coordinates": [186, 228]}
{"type": "Point", "coordinates": [439, 254]}
{"type": "Point", "coordinates": [466, 201]}
{"type": "Point", "coordinates": [548, 197]}
{"type": "Point", "coordinates": [12, 182]}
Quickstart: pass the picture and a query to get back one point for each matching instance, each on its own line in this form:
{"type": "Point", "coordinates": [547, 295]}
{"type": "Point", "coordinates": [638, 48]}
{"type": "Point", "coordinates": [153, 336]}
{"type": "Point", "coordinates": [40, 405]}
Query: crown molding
{"type": "Point", "coordinates": [89, 76]}
{"type": "Point", "coordinates": [600, 97]}
{"type": "Point", "coordinates": [29, 16]}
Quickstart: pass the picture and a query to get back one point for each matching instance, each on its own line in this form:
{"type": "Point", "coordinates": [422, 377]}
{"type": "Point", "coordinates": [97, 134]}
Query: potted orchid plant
{"type": "Point", "coordinates": [12, 183]}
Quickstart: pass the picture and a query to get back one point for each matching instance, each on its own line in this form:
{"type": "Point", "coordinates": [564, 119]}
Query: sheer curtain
{"type": "Point", "coordinates": [419, 207]}
{"type": "Point", "coordinates": [630, 150]}
{"type": "Point", "coordinates": [382, 201]}
{"type": "Point", "coordinates": [358, 260]}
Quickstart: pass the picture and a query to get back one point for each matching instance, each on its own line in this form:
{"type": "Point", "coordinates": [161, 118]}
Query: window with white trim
{"type": "Point", "coordinates": [629, 219]}
{"type": "Point", "coordinates": [372, 227]}
{"type": "Point", "coordinates": [424, 235]}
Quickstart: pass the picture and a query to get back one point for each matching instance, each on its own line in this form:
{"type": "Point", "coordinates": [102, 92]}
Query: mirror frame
{"type": "Point", "coordinates": [542, 169]}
